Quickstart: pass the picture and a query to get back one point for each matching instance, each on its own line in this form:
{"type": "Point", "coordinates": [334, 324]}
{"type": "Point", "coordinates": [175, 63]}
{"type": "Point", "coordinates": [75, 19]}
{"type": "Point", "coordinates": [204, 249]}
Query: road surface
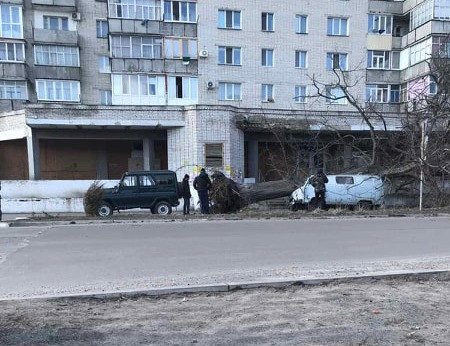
{"type": "Point", "coordinates": [76, 259]}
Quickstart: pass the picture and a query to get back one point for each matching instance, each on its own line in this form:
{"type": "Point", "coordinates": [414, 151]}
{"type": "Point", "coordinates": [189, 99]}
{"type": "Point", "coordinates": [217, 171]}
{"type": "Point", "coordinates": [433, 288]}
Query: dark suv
{"type": "Point", "coordinates": [156, 190]}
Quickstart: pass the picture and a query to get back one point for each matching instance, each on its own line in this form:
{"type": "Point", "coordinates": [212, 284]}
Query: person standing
{"type": "Point", "coordinates": [202, 184]}
{"type": "Point", "coordinates": [318, 181]}
{"type": "Point", "coordinates": [186, 193]}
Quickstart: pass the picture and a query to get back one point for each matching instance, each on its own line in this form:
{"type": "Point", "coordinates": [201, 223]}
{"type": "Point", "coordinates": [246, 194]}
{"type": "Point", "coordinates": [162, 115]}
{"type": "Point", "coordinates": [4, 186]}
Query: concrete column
{"type": "Point", "coordinates": [148, 146]}
{"type": "Point", "coordinates": [253, 160]}
{"type": "Point", "coordinates": [102, 162]}
{"type": "Point", "coordinates": [34, 157]}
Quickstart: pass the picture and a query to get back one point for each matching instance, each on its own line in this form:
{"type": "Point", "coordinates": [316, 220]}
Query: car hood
{"type": "Point", "coordinates": [108, 192]}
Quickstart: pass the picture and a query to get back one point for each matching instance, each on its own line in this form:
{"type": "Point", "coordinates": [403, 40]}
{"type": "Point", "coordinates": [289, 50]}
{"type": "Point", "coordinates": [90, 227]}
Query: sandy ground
{"type": "Point", "coordinates": [381, 312]}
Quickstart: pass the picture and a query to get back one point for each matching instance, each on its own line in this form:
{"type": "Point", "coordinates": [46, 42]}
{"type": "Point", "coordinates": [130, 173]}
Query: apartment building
{"type": "Point", "coordinates": [90, 89]}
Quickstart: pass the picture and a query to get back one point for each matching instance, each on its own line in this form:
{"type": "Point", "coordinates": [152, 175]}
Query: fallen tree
{"type": "Point", "coordinates": [229, 197]}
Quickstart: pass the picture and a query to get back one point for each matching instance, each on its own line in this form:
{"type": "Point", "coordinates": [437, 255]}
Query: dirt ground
{"type": "Point", "coordinates": [381, 312]}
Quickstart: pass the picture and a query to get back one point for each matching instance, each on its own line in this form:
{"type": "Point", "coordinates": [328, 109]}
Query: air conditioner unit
{"type": "Point", "coordinates": [76, 15]}
{"type": "Point", "coordinates": [210, 85]}
{"type": "Point", "coordinates": [204, 53]}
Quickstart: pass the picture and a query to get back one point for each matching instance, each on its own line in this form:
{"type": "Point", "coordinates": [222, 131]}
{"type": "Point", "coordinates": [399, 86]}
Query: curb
{"type": "Point", "coordinates": [442, 275]}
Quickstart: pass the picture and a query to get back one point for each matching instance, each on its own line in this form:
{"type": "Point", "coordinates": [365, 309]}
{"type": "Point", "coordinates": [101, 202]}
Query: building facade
{"type": "Point", "coordinates": [90, 89]}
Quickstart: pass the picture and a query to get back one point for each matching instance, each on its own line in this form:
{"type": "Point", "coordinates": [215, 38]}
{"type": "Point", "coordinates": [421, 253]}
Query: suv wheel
{"type": "Point", "coordinates": [163, 208]}
{"type": "Point", "coordinates": [104, 210]}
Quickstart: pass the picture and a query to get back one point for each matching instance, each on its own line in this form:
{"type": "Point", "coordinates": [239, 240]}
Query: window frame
{"type": "Point", "coordinates": [301, 99]}
{"type": "Point", "coordinates": [100, 28]}
{"type": "Point", "coordinates": [333, 60]}
{"type": "Point", "coordinates": [265, 57]}
{"type": "Point", "coordinates": [55, 54]}
{"type": "Point", "coordinates": [214, 157]}
{"type": "Point", "coordinates": [46, 20]}
{"type": "Point", "coordinates": [5, 83]}
{"type": "Point", "coordinates": [192, 46]}
{"type": "Point", "coordinates": [54, 83]}
{"type": "Point", "coordinates": [267, 93]}
{"type": "Point", "coordinates": [298, 60]}
{"type": "Point", "coordinates": [383, 27]}
{"type": "Point", "coordinates": [383, 93]}
{"type": "Point", "coordinates": [225, 55]}
{"type": "Point", "coordinates": [169, 15]}
{"type": "Point", "coordinates": [233, 19]}
{"type": "Point", "coordinates": [233, 85]}
{"type": "Point", "coordinates": [337, 100]}
{"type": "Point", "coordinates": [14, 53]}
{"type": "Point", "coordinates": [149, 12]}
{"type": "Point", "coordinates": [108, 97]}
{"type": "Point", "coordinates": [267, 22]}
{"type": "Point", "coordinates": [186, 81]}
{"type": "Point", "coordinates": [374, 55]}
{"type": "Point", "coordinates": [129, 42]}
{"type": "Point", "coordinates": [332, 31]}
{"type": "Point", "coordinates": [11, 23]}
{"type": "Point", "coordinates": [298, 24]}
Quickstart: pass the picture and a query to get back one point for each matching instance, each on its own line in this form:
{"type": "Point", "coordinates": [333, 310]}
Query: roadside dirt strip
{"type": "Point", "coordinates": [400, 310]}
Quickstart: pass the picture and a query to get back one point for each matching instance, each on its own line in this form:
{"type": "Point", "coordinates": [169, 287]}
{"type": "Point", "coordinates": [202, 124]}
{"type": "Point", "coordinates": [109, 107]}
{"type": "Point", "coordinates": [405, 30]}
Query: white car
{"type": "Point", "coordinates": [365, 191]}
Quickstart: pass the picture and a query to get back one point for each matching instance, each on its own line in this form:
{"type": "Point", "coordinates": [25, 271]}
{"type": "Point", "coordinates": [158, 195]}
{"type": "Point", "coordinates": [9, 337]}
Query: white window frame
{"type": "Point", "coordinates": [11, 23]}
{"type": "Point", "coordinates": [236, 56]}
{"type": "Point", "coordinates": [135, 42]}
{"type": "Point", "coordinates": [331, 28]}
{"type": "Point", "coordinates": [267, 22]}
{"type": "Point", "coordinates": [189, 86]}
{"type": "Point", "coordinates": [301, 56]}
{"type": "Point", "coordinates": [102, 28]}
{"type": "Point", "coordinates": [222, 18]}
{"type": "Point", "coordinates": [378, 59]}
{"type": "Point", "coordinates": [267, 92]}
{"type": "Point", "coordinates": [105, 97]}
{"type": "Point", "coordinates": [169, 7]}
{"type": "Point", "coordinates": [178, 47]}
{"type": "Point", "coordinates": [421, 14]}
{"type": "Point", "coordinates": [442, 9]}
{"type": "Point", "coordinates": [267, 55]}
{"type": "Point", "coordinates": [383, 93]}
{"type": "Point", "coordinates": [15, 58]}
{"type": "Point", "coordinates": [300, 97]}
{"type": "Point", "coordinates": [334, 57]}
{"type": "Point", "coordinates": [73, 86]}
{"type": "Point", "coordinates": [128, 84]}
{"type": "Point", "coordinates": [233, 89]}
{"type": "Point", "coordinates": [380, 24]}
{"type": "Point", "coordinates": [57, 55]}
{"type": "Point", "coordinates": [104, 64]}
{"type": "Point", "coordinates": [13, 88]}
{"type": "Point", "coordinates": [336, 92]}
{"type": "Point", "coordinates": [299, 20]}
{"type": "Point", "coordinates": [135, 9]}
{"type": "Point", "coordinates": [47, 22]}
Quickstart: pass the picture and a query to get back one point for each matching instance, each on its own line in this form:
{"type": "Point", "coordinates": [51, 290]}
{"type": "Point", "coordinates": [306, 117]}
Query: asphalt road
{"type": "Point", "coordinates": [55, 260]}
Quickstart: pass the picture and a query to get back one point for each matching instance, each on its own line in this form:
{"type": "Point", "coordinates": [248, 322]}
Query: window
{"type": "Point", "coordinates": [135, 9]}
{"type": "Point", "coordinates": [267, 21]}
{"type": "Point", "coordinates": [146, 180]}
{"type": "Point", "coordinates": [267, 93]}
{"type": "Point", "coordinates": [441, 9]}
{"type": "Point", "coordinates": [379, 24]}
{"type": "Point", "coordinates": [300, 59]}
{"type": "Point", "coordinates": [163, 179]}
{"type": "Point", "coordinates": [300, 94]}
{"type": "Point", "coordinates": [105, 97]}
{"type": "Point", "coordinates": [267, 57]}
{"type": "Point", "coordinates": [180, 11]}
{"type": "Point", "coordinates": [337, 26]}
{"type": "Point", "coordinates": [421, 14]}
{"type": "Point", "coordinates": [335, 95]}
{"type": "Point", "coordinates": [395, 64]}
{"type": "Point", "coordinates": [344, 180]}
{"type": "Point", "coordinates": [129, 180]}
{"type": "Point", "coordinates": [421, 51]}
{"type": "Point", "coordinates": [58, 90]}
{"type": "Point", "coordinates": [433, 88]}
{"type": "Point", "coordinates": [378, 59]}
{"type": "Point", "coordinates": [102, 29]}
{"type": "Point", "coordinates": [229, 55]}
{"type": "Point", "coordinates": [12, 52]}
{"type": "Point", "coordinates": [13, 90]}
{"type": "Point", "coordinates": [103, 64]}
{"type": "Point", "coordinates": [56, 23]}
{"type": "Point", "coordinates": [136, 47]}
{"type": "Point", "coordinates": [183, 88]}
{"type": "Point", "coordinates": [177, 48]}
{"type": "Point", "coordinates": [230, 91]}
{"type": "Point", "coordinates": [301, 24]}
{"type": "Point", "coordinates": [135, 84]}
{"type": "Point", "coordinates": [214, 155]}
{"type": "Point", "coordinates": [56, 55]}
{"type": "Point", "coordinates": [382, 93]}
{"type": "Point", "coordinates": [11, 21]}
{"type": "Point", "coordinates": [336, 61]}
{"type": "Point", "coordinates": [229, 19]}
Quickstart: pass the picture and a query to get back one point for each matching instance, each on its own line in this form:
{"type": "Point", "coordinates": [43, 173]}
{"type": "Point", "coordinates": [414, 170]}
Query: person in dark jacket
{"type": "Point", "coordinates": [318, 181]}
{"type": "Point", "coordinates": [202, 184]}
{"type": "Point", "coordinates": [186, 193]}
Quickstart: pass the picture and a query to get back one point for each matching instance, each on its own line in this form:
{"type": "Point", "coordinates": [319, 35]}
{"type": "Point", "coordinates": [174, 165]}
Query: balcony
{"type": "Point", "coordinates": [56, 72]}
{"type": "Point", "coordinates": [55, 36]}
{"type": "Point", "coordinates": [384, 76]}
{"type": "Point", "coordinates": [14, 2]}
{"type": "Point", "coordinates": [151, 27]}
{"type": "Point", "coordinates": [12, 70]}
{"type": "Point", "coordinates": [153, 66]}
{"type": "Point", "coordinates": [61, 5]}
{"type": "Point", "coordinates": [392, 7]}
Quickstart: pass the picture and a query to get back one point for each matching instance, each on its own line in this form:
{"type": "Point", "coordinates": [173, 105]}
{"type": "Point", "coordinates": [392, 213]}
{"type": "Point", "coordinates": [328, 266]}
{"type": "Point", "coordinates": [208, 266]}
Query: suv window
{"type": "Point", "coordinates": [146, 180]}
{"type": "Point", "coordinates": [344, 180]}
{"type": "Point", "coordinates": [130, 180]}
{"type": "Point", "coordinates": [163, 179]}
